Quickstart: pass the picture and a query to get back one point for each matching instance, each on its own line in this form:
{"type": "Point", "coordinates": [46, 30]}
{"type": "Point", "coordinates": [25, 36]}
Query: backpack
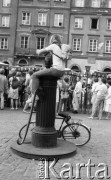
{"type": "Point", "coordinates": [15, 83]}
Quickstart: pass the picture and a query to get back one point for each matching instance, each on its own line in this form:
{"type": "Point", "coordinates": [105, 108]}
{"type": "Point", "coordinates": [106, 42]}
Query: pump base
{"type": "Point", "coordinates": [27, 150]}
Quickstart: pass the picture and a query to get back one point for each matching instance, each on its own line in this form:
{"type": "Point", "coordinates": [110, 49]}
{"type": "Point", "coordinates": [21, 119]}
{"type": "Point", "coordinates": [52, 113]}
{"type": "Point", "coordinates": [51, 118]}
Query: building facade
{"type": "Point", "coordinates": [90, 35]}
{"type": "Point", "coordinates": [27, 25]}
{"type": "Point", "coordinates": [8, 13]}
{"type": "Point", "coordinates": [37, 21]}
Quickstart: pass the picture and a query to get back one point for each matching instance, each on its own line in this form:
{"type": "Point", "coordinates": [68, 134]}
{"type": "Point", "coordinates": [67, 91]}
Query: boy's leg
{"type": "Point", "coordinates": [45, 72]}
{"type": "Point", "coordinates": [26, 106]}
{"type": "Point", "coordinates": [60, 105]}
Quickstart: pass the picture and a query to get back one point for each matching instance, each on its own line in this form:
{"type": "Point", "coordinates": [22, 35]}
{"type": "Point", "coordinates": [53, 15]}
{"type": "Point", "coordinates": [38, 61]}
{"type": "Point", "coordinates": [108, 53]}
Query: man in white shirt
{"type": "Point", "coordinates": [77, 95]}
{"type": "Point", "coordinates": [101, 91]}
{"type": "Point", "coordinates": [93, 90]}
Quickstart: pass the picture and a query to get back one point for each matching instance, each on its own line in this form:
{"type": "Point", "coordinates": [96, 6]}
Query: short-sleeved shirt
{"type": "Point", "coordinates": [78, 88]}
{"type": "Point", "coordinates": [94, 86]}
{"type": "Point", "coordinates": [57, 62]}
{"type": "Point", "coordinates": [101, 90]}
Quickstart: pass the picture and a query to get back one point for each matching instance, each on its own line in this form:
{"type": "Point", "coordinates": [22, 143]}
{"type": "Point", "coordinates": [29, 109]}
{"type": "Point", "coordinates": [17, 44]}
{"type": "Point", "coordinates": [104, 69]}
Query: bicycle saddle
{"type": "Point", "coordinates": [63, 114]}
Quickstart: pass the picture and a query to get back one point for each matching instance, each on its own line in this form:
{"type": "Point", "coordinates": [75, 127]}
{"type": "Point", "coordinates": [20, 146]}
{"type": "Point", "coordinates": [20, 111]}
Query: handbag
{"type": "Point", "coordinates": [49, 59]}
{"type": "Point", "coordinates": [64, 94]}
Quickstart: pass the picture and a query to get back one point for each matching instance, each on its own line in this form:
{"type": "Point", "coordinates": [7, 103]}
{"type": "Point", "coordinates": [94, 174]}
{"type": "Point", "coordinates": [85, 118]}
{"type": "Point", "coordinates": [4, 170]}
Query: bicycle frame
{"type": "Point", "coordinates": [64, 119]}
{"type": "Point", "coordinates": [60, 128]}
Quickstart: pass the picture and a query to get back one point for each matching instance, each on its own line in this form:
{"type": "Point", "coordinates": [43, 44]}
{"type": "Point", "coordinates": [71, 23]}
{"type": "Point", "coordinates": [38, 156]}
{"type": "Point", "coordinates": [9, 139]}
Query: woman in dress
{"type": "Point", "coordinates": [107, 104]}
{"type": "Point", "coordinates": [13, 93]}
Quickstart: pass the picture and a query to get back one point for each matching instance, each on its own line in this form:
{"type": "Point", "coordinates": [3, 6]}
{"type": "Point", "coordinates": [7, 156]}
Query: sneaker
{"type": "Point", "coordinates": [107, 118]}
{"type": "Point", "coordinates": [25, 111]}
{"type": "Point", "coordinates": [91, 117]}
{"type": "Point", "coordinates": [12, 108]}
{"type": "Point", "coordinates": [16, 108]}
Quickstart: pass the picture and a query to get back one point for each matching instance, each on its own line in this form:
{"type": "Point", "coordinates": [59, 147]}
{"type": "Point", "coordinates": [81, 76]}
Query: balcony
{"type": "Point", "coordinates": [25, 52]}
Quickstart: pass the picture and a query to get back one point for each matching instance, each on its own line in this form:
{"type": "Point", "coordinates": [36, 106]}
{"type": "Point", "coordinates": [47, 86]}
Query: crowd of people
{"type": "Point", "coordinates": [15, 88]}
{"type": "Point", "coordinates": [71, 95]}
{"type": "Point", "coordinates": [93, 97]}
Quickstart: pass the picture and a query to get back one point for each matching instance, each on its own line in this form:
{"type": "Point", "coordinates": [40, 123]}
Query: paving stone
{"type": "Point", "coordinates": [13, 167]}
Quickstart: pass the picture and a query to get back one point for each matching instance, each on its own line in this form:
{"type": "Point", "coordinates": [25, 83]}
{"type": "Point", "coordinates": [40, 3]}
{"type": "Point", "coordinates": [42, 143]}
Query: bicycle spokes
{"type": "Point", "coordinates": [79, 135]}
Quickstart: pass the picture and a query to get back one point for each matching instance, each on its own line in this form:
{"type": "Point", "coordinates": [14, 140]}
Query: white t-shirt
{"type": "Point", "coordinates": [101, 90]}
{"type": "Point", "coordinates": [57, 62]}
{"type": "Point", "coordinates": [94, 86]}
{"type": "Point", "coordinates": [78, 87]}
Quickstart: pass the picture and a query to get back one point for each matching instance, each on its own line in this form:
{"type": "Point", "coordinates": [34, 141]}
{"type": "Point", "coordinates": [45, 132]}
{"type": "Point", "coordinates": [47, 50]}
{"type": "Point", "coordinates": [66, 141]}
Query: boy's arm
{"type": "Point", "coordinates": [41, 51]}
{"type": "Point", "coordinates": [44, 50]}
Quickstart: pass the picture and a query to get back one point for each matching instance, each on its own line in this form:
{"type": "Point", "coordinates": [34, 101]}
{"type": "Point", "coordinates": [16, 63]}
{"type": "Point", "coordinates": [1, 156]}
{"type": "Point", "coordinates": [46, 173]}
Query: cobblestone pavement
{"type": "Point", "coordinates": [98, 150]}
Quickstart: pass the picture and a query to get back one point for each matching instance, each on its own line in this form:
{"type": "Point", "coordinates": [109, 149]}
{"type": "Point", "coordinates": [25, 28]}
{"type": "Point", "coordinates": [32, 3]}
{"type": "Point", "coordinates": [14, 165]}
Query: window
{"type": "Point", "coordinates": [6, 3]}
{"type": "Point", "coordinates": [109, 24]}
{"type": "Point", "coordinates": [76, 44]}
{"type": "Point", "coordinates": [40, 42]}
{"type": "Point", "coordinates": [26, 18]}
{"type": "Point", "coordinates": [60, 0]}
{"type": "Point", "coordinates": [93, 45]}
{"type": "Point", "coordinates": [5, 21]}
{"type": "Point", "coordinates": [109, 5]}
{"type": "Point", "coordinates": [78, 23]}
{"type": "Point", "coordinates": [42, 19]}
{"type": "Point", "coordinates": [3, 43]}
{"type": "Point", "coordinates": [58, 20]}
{"type": "Point", "coordinates": [79, 3]}
{"type": "Point", "coordinates": [24, 42]}
{"type": "Point", "coordinates": [23, 62]}
{"type": "Point", "coordinates": [96, 3]}
{"type": "Point", "coordinates": [94, 23]}
{"type": "Point", "coordinates": [108, 46]}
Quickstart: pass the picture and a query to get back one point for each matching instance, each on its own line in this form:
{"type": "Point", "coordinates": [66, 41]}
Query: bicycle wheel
{"type": "Point", "coordinates": [77, 133]}
{"type": "Point", "coordinates": [23, 130]}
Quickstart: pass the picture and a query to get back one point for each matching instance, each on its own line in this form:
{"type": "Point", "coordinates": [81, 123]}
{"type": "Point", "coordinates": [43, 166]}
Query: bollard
{"type": "Point", "coordinates": [44, 134]}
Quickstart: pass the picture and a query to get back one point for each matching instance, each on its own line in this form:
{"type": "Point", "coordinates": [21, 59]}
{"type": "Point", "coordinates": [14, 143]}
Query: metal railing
{"type": "Point", "coordinates": [25, 51]}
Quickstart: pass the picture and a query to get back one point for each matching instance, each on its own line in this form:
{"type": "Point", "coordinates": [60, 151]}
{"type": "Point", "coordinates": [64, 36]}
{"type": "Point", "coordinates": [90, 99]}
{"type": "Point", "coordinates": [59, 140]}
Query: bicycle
{"type": "Point", "coordinates": [75, 132]}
